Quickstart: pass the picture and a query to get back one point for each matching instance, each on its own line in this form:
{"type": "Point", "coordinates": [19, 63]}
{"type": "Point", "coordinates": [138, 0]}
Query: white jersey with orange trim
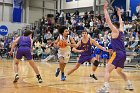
{"type": "Point", "coordinates": [64, 52]}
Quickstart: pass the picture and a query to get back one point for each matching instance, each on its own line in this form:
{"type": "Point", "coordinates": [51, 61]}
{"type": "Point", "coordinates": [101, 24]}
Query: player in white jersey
{"type": "Point", "coordinates": [65, 52]}
{"type": "Point", "coordinates": [64, 42]}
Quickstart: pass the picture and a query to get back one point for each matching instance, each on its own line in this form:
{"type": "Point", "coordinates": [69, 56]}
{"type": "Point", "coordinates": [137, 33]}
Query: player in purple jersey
{"type": "Point", "coordinates": [84, 48]}
{"type": "Point", "coordinates": [119, 55]}
{"type": "Point", "coordinates": [24, 49]}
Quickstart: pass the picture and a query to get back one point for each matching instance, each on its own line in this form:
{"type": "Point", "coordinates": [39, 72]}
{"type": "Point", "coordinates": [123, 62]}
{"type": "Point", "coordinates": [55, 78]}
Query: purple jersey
{"type": "Point", "coordinates": [86, 47]}
{"type": "Point", "coordinates": [119, 56]}
{"type": "Point", "coordinates": [24, 46]}
{"type": "Point", "coordinates": [24, 41]}
{"type": "Point", "coordinates": [86, 55]}
{"type": "Point", "coordinates": [118, 43]}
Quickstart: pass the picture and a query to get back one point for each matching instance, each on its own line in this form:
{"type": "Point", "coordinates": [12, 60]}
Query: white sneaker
{"type": "Point", "coordinates": [43, 60]}
{"type": "Point", "coordinates": [129, 87]}
{"type": "Point", "coordinates": [22, 59]}
{"type": "Point", "coordinates": [103, 89]}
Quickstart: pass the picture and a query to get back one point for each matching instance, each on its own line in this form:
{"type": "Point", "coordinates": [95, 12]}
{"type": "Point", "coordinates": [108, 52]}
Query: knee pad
{"type": "Point", "coordinates": [96, 63]}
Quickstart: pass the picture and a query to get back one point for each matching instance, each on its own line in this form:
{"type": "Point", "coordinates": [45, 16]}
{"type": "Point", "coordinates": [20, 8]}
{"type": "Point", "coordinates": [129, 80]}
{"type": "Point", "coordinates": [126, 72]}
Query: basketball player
{"type": "Point", "coordinates": [84, 48]}
{"type": "Point", "coordinates": [64, 42]}
{"type": "Point", "coordinates": [24, 49]}
{"type": "Point", "coordinates": [119, 54]}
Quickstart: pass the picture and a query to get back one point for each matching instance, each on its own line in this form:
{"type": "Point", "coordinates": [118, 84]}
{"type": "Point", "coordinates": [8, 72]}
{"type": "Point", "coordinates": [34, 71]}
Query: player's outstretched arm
{"type": "Point", "coordinates": [107, 18]}
{"type": "Point", "coordinates": [74, 49]}
{"type": "Point", "coordinates": [55, 43]}
{"type": "Point", "coordinates": [13, 45]}
{"type": "Point", "coordinates": [73, 43]}
{"type": "Point", "coordinates": [120, 19]}
{"type": "Point", "coordinates": [97, 45]}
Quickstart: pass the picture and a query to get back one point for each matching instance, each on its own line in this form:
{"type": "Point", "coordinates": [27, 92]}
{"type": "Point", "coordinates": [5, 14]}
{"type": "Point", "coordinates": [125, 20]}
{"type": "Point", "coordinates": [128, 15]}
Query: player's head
{"type": "Point", "coordinates": [28, 33]}
{"type": "Point", "coordinates": [117, 25]}
{"type": "Point", "coordinates": [84, 33]}
{"type": "Point", "coordinates": [63, 30]}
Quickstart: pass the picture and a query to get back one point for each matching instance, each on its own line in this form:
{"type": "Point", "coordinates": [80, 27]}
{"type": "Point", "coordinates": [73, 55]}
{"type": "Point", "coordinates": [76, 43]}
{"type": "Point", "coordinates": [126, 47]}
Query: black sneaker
{"type": "Point", "coordinates": [57, 72]}
{"type": "Point", "coordinates": [16, 78]}
{"type": "Point", "coordinates": [93, 76]}
{"type": "Point", "coordinates": [39, 79]}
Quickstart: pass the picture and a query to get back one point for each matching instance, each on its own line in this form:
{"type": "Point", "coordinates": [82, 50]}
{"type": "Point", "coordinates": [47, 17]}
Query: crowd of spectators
{"type": "Point", "coordinates": [47, 30]}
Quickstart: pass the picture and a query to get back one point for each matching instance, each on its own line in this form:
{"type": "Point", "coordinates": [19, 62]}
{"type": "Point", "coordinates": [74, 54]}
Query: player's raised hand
{"type": "Point", "coordinates": [11, 52]}
{"type": "Point", "coordinates": [118, 11]}
{"type": "Point", "coordinates": [106, 5]}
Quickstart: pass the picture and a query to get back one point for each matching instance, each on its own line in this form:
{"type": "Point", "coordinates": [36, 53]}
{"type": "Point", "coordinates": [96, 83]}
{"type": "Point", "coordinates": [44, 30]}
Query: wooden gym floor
{"type": "Point", "coordinates": [78, 82]}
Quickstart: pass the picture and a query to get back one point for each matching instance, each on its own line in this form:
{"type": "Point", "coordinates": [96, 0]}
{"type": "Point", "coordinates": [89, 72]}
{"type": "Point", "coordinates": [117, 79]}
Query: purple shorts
{"type": "Point", "coordinates": [83, 59]}
{"type": "Point", "coordinates": [118, 58]}
{"type": "Point", "coordinates": [24, 51]}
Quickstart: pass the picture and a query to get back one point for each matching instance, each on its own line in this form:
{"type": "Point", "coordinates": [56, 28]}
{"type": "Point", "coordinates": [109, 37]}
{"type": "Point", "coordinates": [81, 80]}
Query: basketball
{"type": "Point", "coordinates": [62, 44]}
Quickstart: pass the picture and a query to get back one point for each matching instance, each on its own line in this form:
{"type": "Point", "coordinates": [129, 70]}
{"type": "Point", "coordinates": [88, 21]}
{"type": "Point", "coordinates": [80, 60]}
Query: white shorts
{"type": "Point", "coordinates": [65, 55]}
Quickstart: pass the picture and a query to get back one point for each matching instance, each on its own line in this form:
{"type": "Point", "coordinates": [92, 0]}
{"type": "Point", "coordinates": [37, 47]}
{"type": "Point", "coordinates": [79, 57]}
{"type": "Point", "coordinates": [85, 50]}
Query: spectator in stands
{"type": "Point", "coordinates": [138, 9]}
{"type": "Point", "coordinates": [134, 17]}
{"type": "Point", "coordinates": [91, 14]}
{"type": "Point", "coordinates": [45, 19]}
{"type": "Point", "coordinates": [61, 18]}
{"type": "Point", "coordinates": [136, 41]}
{"type": "Point", "coordinates": [131, 38]}
{"type": "Point", "coordinates": [68, 16]}
{"type": "Point", "coordinates": [99, 17]}
{"type": "Point", "coordinates": [85, 17]}
{"type": "Point", "coordinates": [114, 18]}
{"type": "Point", "coordinates": [129, 12]}
{"type": "Point", "coordinates": [1, 49]}
{"type": "Point", "coordinates": [37, 44]}
{"type": "Point", "coordinates": [42, 21]}
{"type": "Point", "coordinates": [138, 16]}
{"type": "Point", "coordinates": [96, 31]}
{"type": "Point", "coordinates": [57, 17]}
{"type": "Point", "coordinates": [50, 51]}
{"type": "Point", "coordinates": [115, 11]}
{"type": "Point", "coordinates": [79, 28]}
{"type": "Point", "coordinates": [38, 53]}
{"type": "Point", "coordinates": [122, 10]}
{"type": "Point", "coordinates": [47, 35]}
{"type": "Point", "coordinates": [8, 48]}
{"type": "Point", "coordinates": [76, 13]}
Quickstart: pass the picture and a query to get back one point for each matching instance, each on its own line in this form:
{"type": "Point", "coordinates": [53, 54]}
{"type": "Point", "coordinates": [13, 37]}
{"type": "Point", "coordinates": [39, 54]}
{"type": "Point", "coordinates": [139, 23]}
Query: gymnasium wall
{"type": "Point", "coordinates": [11, 26]}
{"type": "Point", "coordinates": [7, 10]}
{"type": "Point", "coordinates": [0, 12]}
{"type": "Point", "coordinates": [35, 13]}
{"type": "Point", "coordinates": [36, 9]}
{"type": "Point", "coordinates": [77, 4]}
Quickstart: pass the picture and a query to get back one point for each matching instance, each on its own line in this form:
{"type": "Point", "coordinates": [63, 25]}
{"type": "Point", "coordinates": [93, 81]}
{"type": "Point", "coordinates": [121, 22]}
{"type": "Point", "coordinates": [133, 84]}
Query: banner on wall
{"type": "Point", "coordinates": [69, 0]}
{"type": "Point", "coordinates": [133, 5]}
{"type": "Point", "coordinates": [3, 30]}
{"type": "Point", "coordinates": [17, 10]}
